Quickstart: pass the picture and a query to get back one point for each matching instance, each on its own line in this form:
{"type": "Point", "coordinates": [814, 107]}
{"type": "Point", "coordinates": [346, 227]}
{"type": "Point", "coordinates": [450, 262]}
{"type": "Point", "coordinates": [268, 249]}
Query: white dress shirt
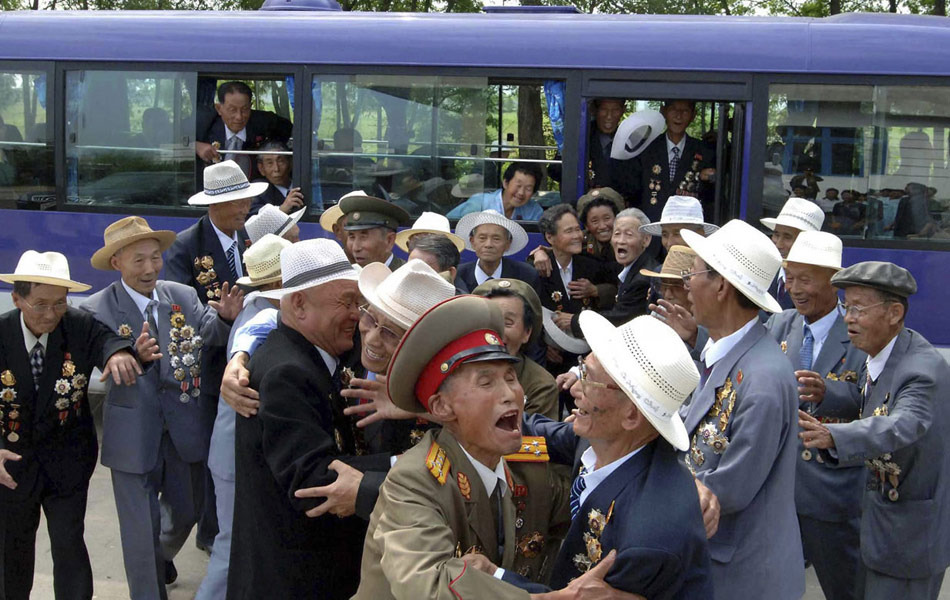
{"type": "Point", "coordinates": [226, 243]}
{"type": "Point", "coordinates": [567, 274]}
{"type": "Point", "coordinates": [820, 330]}
{"type": "Point", "coordinates": [623, 274]}
{"type": "Point", "coordinates": [141, 302]}
{"type": "Point", "coordinates": [490, 478]}
{"type": "Point", "coordinates": [877, 362]}
{"type": "Point", "coordinates": [481, 276]}
{"type": "Point", "coordinates": [228, 134]}
{"type": "Point", "coordinates": [670, 145]}
{"type": "Point", "coordinates": [593, 476]}
{"type": "Point", "coordinates": [328, 359]}
{"type": "Point", "coordinates": [30, 340]}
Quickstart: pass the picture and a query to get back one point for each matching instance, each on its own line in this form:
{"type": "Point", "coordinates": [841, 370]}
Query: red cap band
{"type": "Point", "coordinates": [449, 358]}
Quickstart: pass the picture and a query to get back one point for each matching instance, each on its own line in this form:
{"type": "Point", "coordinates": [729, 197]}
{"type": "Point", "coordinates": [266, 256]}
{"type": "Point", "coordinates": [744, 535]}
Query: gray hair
{"type": "Point", "coordinates": [550, 217]}
{"type": "Point", "coordinates": [634, 213]}
{"type": "Point", "coordinates": [439, 246]}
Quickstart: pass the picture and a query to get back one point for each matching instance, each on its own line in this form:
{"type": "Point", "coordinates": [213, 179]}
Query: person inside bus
{"type": "Point", "coordinates": [345, 170]}
{"type": "Point", "coordinates": [239, 127]}
{"type": "Point", "coordinates": [514, 199]}
{"type": "Point", "coordinates": [808, 184]}
{"type": "Point", "coordinates": [277, 170]}
{"type": "Point", "coordinates": [913, 218]}
{"type": "Point", "coordinates": [674, 164]}
{"type": "Point", "coordinates": [608, 113]}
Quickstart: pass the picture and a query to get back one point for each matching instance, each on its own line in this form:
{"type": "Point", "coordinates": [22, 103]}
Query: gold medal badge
{"type": "Point", "coordinates": [465, 487]}
{"type": "Point", "coordinates": [656, 169]}
{"type": "Point", "coordinates": [530, 545]}
{"type": "Point", "coordinates": [207, 262]}
{"type": "Point", "coordinates": [7, 378]}
{"type": "Point", "coordinates": [784, 347]}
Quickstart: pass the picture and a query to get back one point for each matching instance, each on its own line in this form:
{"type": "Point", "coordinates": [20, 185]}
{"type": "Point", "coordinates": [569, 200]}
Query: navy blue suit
{"type": "Point", "coordinates": [510, 269]}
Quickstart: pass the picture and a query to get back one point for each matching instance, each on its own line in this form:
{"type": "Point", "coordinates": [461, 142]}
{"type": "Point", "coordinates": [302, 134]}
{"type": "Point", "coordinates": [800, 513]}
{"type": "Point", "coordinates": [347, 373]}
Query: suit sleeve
{"type": "Point", "coordinates": [560, 437]}
{"type": "Point", "coordinates": [632, 303]}
{"type": "Point", "coordinates": [652, 573]}
{"type": "Point", "coordinates": [214, 330]}
{"type": "Point", "coordinates": [842, 400]}
{"type": "Point", "coordinates": [178, 263]}
{"type": "Point", "coordinates": [368, 493]}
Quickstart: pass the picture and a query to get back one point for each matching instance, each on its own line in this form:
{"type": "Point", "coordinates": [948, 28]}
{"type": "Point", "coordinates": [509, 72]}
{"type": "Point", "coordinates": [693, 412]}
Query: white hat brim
{"type": "Point", "coordinates": [704, 249]}
{"type": "Point", "coordinates": [246, 281]}
{"type": "Point", "coordinates": [69, 284]}
{"type": "Point", "coordinates": [519, 238]}
{"type": "Point", "coordinates": [294, 219]}
{"type": "Point", "coordinates": [352, 275]}
{"type": "Point", "coordinates": [657, 227]}
{"type": "Point", "coordinates": [651, 120]}
{"type": "Point", "coordinates": [601, 335]}
{"type": "Point", "coordinates": [402, 238]}
{"type": "Point", "coordinates": [560, 338]}
{"type": "Point", "coordinates": [370, 278]}
{"type": "Point", "coordinates": [252, 191]}
{"type": "Point", "coordinates": [771, 222]}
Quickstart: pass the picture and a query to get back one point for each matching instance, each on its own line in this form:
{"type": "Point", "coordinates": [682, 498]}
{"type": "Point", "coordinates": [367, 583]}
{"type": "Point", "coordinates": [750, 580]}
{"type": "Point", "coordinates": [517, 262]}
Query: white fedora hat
{"type": "Point", "coordinates": [680, 210]}
{"type": "Point", "coordinates": [50, 268]}
{"type": "Point", "coordinates": [745, 256]}
{"type": "Point", "coordinates": [405, 294]}
{"type": "Point", "coordinates": [636, 132]}
{"type": "Point", "coordinates": [429, 222]}
{"type": "Point", "coordinates": [468, 223]}
{"type": "Point", "coordinates": [556, 336]}
{"type": "Point", "coordinates": [311, 263]}
{"type": "Point", "coordinates": [818, 248]}
{"type": "Point", "coordinates": [226, 182]}
{"type": "Point", "coordinates": [649, 362]}
{"type": "Point", "coordinates": [798, 213]}
{"type": "Point", "coordinates": [262, 260]}
{"type": "Point", "coordinates": [271, 219]}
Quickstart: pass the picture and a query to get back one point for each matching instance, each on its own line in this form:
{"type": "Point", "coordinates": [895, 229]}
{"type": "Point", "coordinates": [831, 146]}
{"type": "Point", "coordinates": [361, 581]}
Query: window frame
{"type": "Point", "coordinates": [48, 67]}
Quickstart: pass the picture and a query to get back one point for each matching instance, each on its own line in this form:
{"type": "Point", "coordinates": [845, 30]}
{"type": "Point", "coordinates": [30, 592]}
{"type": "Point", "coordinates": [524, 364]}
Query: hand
{"type": "Point", "coordinates": [340, 495]}
{"type": "Point", "coordinates": [146, 347]}
{"type": "Point", "coordinates": [235, 387]}
{"type": "Point", "coordinates": [122, 367]}
{"type": "Point", "coordinates": [571, 417]}
{"type": "Point", "coordinates": [230, 304]}
{"type": "Point", "coordinates": [553, 355]}
{"type": "Point", "coordinates": [811, 386]}
{"type": "Point", "coordinates": [591, 585]}
{"type": "Point", "coordinates": [814, 434]}
{"type": "Point", "coordinates": [581, 288]}
{"type": "Point", "coordinates": [709, 504]}
{"type": "Point", "coordinates": [708, 174]}
{"type": "Point", "coordinates": [207, 152]}
{"type": "Point", "coordinates": [293, 201]}
{"type": "Point", "coordinates": [480, 562]}
{"type": "Point", "coordinates": [677, 317]}
{"type": "Point", "coordinates": [563, 320]}
{"type": "Point", "coordinates": [379, 401]}
{"type": "Point", "coordinates": [542, 262]}
{"type": "Point", "coordinates": [5, 479]}
{"type": "Point", "coordinates": [565, 381]}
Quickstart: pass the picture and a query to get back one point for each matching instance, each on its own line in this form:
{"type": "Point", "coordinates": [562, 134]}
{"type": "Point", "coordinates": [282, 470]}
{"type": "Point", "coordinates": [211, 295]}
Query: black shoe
{"type": "Point", "coordinates": [171, 573]}
{"type": "Point", "coordinates": [206, 548]}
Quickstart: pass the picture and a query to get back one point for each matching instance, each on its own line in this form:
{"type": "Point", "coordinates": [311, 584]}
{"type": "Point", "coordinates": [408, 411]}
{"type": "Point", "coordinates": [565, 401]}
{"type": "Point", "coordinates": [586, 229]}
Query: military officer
{"type": "Point", "coordinates": [796, 216]}
{"type": "Point", "coordinates": [900, 437]}
{"type": "Point", "coordinates": [814, 337]}
{"type": "Point", "coordinates": [370, 229]}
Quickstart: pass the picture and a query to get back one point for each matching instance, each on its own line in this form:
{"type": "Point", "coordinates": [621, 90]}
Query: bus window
{"type": "Point", "coordinates": [428, 143]}
{"type": "Point", "coordinates": [130, 138]}
{"type": "Point", "coordinates": [26, 154]}
{"type": "Point", "coordinates": [873, 157]}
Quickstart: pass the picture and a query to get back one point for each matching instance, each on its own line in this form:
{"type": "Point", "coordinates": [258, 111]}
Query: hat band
{"type": "Point", "coordinates": [289, 221]}
{"type": "Point", "coordinates": [742, 278]}
{"type": "Point", "coordinates": [800, 218]}
{"type": "Point", "coordinates": [324, 271]}
{"type": "Point", "coordinates": [642, 396]}
{"type": "Point", "coordinates": [450, 357]}
{"type": "Point", "coordinates": [228, 188]}
{"type": "Point", "coordinates": [267, 275]}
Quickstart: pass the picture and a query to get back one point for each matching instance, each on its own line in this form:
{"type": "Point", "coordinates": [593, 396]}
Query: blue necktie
{"type": "Point", "coordinates": [576, 489]}
{"type": "Point", "coordinates": [808, 348]}
{"type": "Point", "coordinates": [232, 259]}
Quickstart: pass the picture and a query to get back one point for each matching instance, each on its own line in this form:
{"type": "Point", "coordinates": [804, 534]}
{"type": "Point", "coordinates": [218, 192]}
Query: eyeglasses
{"type": "Point", "coordinates": [370, 322]}
{"type": "Point", "coordinates": [586, 381]}
{"type": "Point", "coordinates": [687, 275]}
{"type": "Point", "coordinates": [44, 309]}
{"type": "Point", "coordinates": [858, 311]}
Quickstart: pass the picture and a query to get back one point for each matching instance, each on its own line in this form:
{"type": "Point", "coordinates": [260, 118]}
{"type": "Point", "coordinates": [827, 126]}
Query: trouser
{"type": "Point", "coordinates": [207, 517]}
{"type": "Point", "coordinates": [834, 550]}
{"type": "Point", "coordinates": [215, 584]}
{"type": "Point", "coordinates": [157, 511]}
{"type": "Point", "coordinates": [65, 521]}
{"type": "Point", "coordinates": [879, 586]}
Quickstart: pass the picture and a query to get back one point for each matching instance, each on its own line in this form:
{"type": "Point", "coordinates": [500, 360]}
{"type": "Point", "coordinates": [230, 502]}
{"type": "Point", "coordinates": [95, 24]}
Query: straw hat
{"type": "Point", "coordinates": [226, 182]}
{"type": "Point", "coordinates": [50, 268]}
{"type": "Point", "coordinates": [818, 248]}
{"type": "Point", "coordinates": [404, 294]}
{"type": "Point", "coordinates": [556, 336]}
{"type": "Point", "coordinates": [124, 232]}
{"type": "Point", "coordinates": [311, 263]}
{"type": "Point", "coordinates": [429, 222]}
{"type": "Point", "coordinates": [271, 219]}
{"type": "Point", "coordinates": [798, 213]}
{"type": "Point", "coordinates": [636, 132]}
{"type": "Point", "coordinates": [330, 217]}
{"type": "Point", "coordinates": [679, 210]}
{"type": "Point", "coordinates": [469, 185]}
{"type": "Point", "coordinates": [262, 260]}
{"type": "Point", "coordinates": [744, 256]}
{"type": "Point", "coordinates": [652, 366]}
{"type": "Point", "coordinates": [468, 223]}
{"type": "Point", "coordinates": [678, 259]}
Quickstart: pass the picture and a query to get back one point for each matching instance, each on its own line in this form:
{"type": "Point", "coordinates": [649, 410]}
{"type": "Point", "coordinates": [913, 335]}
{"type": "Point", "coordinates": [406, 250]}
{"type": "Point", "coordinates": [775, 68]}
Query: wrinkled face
{"type": "Point", "coordinates": [670, 234]}
{"type": "Point", "coordinates": [627, 241]}
{"type": "Point", "coordinates": [43, 308]}
{"type": "Point", "coordinates": [608, 115]}
{"type": "Point", "coordinates": [678, 114]}
{"type": "Point", "coordinates": [783, 237]}
{"type": "Point", "coordinates": [811, 290]}
{"type": "Point", "coordinates": [874, 324]}
{"type": "Point", "coordinates": [600, 222]}
{"type": "Point", "coordinates": [674, 291]}
{"type": "Point", "coordinates": [330, 315]}
{"type": "Point", "coordinates": [139, 264]}
{"type": "Point", "coordinates": [517, 332]}
{"type": "Point", "coordinates": [490, 242]}
{"type": "Point", "coordinates": [370, 245]}
{"type": "Point", "coordinates": [230, 216]}
{"type": "Point", "coordinates": [519, 190]}
{"type": "Point", "coordinates": [235, 111]}
{"type": "Point", "coordinates": [600, 411]}
{"type": "Point", "coordinates": [380, 335]}
{"type": "Point", "coordinates": [569, 238]}
{"type": "Point", "coordinates": [703, 293]}
{"type": "Point", "coordinates": [276, 168]}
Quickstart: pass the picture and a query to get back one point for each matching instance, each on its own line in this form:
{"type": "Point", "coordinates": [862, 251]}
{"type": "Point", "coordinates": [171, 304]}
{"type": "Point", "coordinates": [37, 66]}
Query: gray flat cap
{"type": "Point", "coordinates": [883, 276]}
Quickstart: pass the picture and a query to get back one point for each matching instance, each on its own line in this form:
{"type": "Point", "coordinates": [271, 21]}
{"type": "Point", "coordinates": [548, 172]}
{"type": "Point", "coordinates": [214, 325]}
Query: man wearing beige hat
{"type": "Point", "coordinates": [155, 434]}
{"type": "Point", "coordinates": [741, 419]}
{"type": "Point", "coordinates": [271, 219]}
{"type": "Point", "coordinates": [47, 436]}
{"type": "Point", "coordinates": [797, 215]}
{"type": "Point", "coordinates": [828, 367]}
{"type": "Point", "coordinates": [492, 237]}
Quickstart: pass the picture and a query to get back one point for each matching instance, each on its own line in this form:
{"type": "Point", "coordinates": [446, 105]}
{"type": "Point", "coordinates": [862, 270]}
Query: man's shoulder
{"type": "Point", "coordinates": [187, 236]}
{"type": "Point", "coordinates": [780, 323]}
{"type": "Point", "coordinates": [425, 465]}
{"type": "Point", "coordinates": [920, 357]}
{"type": "Point", "coordinates": [763, 357]}
{"type": "Point", "coordinates": [179, 291]}
{"type": "Point", "coordinates": [521, 268]}
{"type": "Point", "coordinates": [535, 376]}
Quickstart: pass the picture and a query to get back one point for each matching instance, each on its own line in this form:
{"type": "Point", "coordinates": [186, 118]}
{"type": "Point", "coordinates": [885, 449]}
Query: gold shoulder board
{"type": "Point", "coordinates": [438, 463]}
{"type": "Point", "coordinates": [533, 449]}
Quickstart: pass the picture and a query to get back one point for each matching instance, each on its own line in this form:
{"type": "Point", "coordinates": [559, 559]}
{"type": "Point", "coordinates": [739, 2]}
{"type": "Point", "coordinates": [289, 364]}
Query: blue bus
{"type": "Point", "coordinates": [99, 113]}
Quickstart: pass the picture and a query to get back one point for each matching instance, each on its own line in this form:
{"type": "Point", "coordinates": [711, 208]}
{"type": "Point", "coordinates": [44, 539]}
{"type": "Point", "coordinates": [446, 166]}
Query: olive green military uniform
{"type": "Point", "coordinates": [540, 389]}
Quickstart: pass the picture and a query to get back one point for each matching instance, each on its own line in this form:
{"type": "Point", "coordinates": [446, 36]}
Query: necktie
{"type": "Point", "coordinates": [235, 143]}
{"type": "Point", "coordinates": [868, 386]}
{"type": "Point", "coordinates": [704, 375]}
{"type": "Point", "coordinates": [808, 348]}
{"type": "Point", "coordinates": [498, 513]}
{"type": "Point", "coordinates": [36, 365]}
{"type": "Point", "coordinates": [150, 318]}
{"type": "Point", "coordinates": [232, 260]}
{"type": "Point", "coordinates": [580, 484]}
{"type": "Point", "coordinates": [780, 290]}
{"type": "Point", "coordinates": [674, 162]}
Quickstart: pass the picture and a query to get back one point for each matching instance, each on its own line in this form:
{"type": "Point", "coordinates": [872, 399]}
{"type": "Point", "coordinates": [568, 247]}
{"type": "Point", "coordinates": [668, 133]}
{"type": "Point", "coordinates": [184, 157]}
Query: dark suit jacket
{"type": "Point", "coordinates": [510, 269]}
{"type": "Point", "coordinates": [631, 300]}
{"type": "Point", "coordinates": [585, 267]}
{"type": "Point", "coordinates": [200, 240]}
{"type": "Point", "coordinates": [270, 196]}
{"type": "Point", "coordinates": [784, 299]}
{"type": "Point", "coordinates": [277, 551]}
{"type": "Point", "coordinates": [263, 126]}
{"type": "Point", "coordinates": [61, 447]}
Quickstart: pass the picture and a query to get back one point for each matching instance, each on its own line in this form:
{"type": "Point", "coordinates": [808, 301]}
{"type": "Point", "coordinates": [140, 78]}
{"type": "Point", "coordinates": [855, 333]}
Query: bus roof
{"type": "Point", "coordinates": [845, 44]}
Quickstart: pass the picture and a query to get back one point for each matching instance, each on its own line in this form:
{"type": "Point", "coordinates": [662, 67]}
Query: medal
{"type": "Point", "coordinates": [195, 392]}
{"type": "Point", "coordinates": [656, 169]}
{"type": "Point", "coordinates": [184, 398]}
{"type": "Point", "coordinates": [519, 523]}
{"type": "Point", "coordinates": [806, 454]}
{"type": "Point", "coordinates": [13, 437]}
{"type": "Point", "coordinates": [7, 378]}
{"type": "Point", "coordinates": [893, 495]}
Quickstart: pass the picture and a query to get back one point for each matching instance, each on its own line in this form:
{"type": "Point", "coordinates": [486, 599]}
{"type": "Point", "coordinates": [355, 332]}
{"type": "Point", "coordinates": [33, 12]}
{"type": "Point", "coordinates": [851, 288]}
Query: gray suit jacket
{"type": "Point", "coordinates": [134, 417]}
{"type": "Point", "coordinates": [757, 552]}
{"type": "Point", "coordinates": [823, 491]}
{"type": "Point", "coordinates": [904, 424]}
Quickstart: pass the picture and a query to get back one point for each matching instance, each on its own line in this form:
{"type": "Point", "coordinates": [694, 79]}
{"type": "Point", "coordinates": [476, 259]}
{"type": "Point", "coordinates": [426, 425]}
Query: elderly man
{"type": "Point", "coordinates": [440, 253]}
{"type": "Point", "coordinates": [607, 115]}
{"type": "Point", "coordinates": [47, 436]}
{"type": "Point", "coordinates": [428, 224]}
{"type": "Point", "coordinates": [332, 221]}
{"type": "Point", "coordinates": [370, 229]}
{"type": "Point", "coordinates": [797, 215]}
{"type": "Point", "coordinates": [741, 419]}
{"type": "Point", "coordinates": [679, 212]}
{"type": "Point", "coordinates": [270, 220]}
{"type": "Point", "coordinates": [515, 198]}
{"type": "Point", "coordinates": [492, 237]}
{"type": "Point", "coordinates": [154, 438]}
{"type": "Point", "coordinates": [814, 337]}
{"type": "Point", "coordinates": [900, 437]}
{"type": "Point", "coordinates": [277, 169]}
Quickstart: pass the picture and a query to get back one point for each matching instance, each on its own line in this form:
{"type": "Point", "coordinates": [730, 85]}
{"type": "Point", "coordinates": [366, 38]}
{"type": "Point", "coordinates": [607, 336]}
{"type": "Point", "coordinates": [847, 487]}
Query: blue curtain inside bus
{"type": "Point", "coordinates": [554, 94]}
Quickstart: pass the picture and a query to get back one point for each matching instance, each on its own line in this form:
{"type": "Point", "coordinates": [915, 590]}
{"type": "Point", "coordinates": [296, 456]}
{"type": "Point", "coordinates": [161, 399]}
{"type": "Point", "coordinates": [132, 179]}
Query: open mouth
{"type": "Point", "coordinates": [373, 355]}
{"type": "Point", "coordinates": [510, 422]}
{"type": "Point", "coordinates": [621, 252]}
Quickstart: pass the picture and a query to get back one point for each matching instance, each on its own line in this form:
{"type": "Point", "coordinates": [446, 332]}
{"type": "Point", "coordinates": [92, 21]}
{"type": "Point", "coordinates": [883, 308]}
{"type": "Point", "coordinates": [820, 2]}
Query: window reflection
{"type": "Point", "coordinates": [26, 154]}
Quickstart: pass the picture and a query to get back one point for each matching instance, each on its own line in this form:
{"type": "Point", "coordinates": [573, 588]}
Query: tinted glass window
{"type": "Point", "coordinates": [26, 151]}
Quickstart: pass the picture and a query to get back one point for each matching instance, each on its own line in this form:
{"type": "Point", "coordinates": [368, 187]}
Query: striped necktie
{"type": "Point", "coordinates": [232, 260]}
{"type": "Point", "coordinates": [807, 351]}
{"type": "Point", "coordinates": [580, 484]}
